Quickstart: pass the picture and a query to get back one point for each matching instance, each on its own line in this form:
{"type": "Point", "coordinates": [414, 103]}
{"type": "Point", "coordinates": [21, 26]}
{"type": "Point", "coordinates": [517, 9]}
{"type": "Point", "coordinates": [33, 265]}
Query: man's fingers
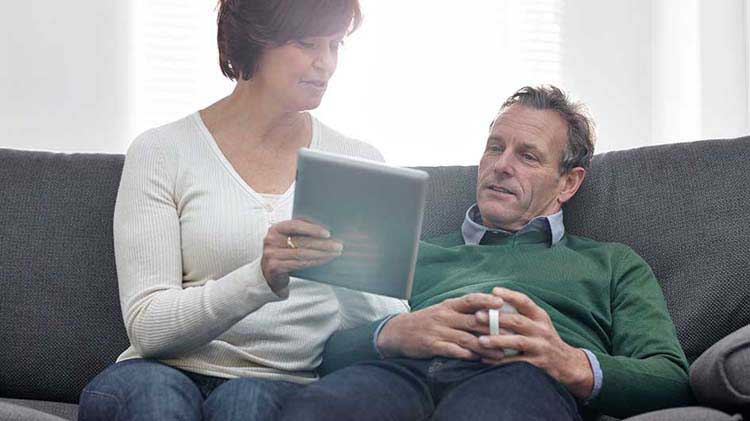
{"type": "Point", "coordinates": [451, 350]}
{"type": "Point", "coordinates": [518, 323]}
{"type": "Point", "coordinates": [520, 343]}
{"type": "Point", "coordinates": [468, 323]}
{"type": "Point", "coordinates": [470, 303]}
{"type": "Point", "coordinates": [521, 302]}
{"type": "Point", "coordinates": [492, 354]}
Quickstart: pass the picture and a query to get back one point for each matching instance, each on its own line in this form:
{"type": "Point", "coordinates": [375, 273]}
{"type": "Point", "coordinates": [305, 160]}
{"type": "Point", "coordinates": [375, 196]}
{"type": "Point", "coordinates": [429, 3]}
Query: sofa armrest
{"type": "Point", "coordinates": [720, 377]}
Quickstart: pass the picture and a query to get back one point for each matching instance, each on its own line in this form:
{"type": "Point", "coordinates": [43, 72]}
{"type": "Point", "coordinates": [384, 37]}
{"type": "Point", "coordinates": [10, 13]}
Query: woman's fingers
{"type": "Point", "coordinates": [304, 254]}
{"type": "Point", "coordinates": [310, 243]}
{"type": "Point", "coordinates": [299, 227]}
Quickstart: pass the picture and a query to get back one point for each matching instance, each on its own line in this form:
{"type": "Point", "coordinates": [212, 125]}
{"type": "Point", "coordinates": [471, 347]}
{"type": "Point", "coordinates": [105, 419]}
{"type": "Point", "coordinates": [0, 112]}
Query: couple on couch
{"type": "Point", "coordinates": [204, 246]}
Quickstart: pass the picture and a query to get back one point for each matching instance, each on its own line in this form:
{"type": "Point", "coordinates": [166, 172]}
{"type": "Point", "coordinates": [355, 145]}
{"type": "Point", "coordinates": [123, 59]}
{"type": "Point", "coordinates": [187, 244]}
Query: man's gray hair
{"type": "Point", "coordinates": [581, 136]}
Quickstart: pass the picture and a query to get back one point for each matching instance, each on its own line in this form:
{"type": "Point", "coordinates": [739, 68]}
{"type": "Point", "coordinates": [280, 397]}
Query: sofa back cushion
{"type": "Point", "coordinates": [685, 208]}
{"type": "Point", "coordinates": [60, 320]}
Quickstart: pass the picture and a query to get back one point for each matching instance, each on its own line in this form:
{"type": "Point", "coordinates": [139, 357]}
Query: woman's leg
{"type": "Point", "coordinates": [248, 399]}
{"type": "Point", "coordinates": [140, 389]}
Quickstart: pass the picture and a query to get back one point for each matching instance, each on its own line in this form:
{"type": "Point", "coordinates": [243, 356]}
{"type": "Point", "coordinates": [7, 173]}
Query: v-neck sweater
{"type": "Point", "coordinates": [599, 296]}
{"type": "Point", "coordinates": [188, 234]}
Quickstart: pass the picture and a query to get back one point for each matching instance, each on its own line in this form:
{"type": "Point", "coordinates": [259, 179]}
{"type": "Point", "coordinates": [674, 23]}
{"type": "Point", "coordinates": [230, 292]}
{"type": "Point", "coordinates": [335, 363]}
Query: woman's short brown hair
{"type": "Point", "coordinates": [246, 27]}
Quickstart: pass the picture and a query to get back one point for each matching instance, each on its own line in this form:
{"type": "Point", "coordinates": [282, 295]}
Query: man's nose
{"type": "Point", "coordinates": [505, 163]}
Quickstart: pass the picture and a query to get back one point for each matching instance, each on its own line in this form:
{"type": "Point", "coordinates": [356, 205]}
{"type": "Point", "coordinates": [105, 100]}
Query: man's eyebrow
{"type": "Point", "coordinates": [531, 147]}
{"type": "Point", "coordinates": [494, 138]}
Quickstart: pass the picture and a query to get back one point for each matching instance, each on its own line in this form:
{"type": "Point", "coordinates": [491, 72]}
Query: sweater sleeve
{"type": "Point", "coordinates": [163, 319]}
{"type": "Point", "coordinates": [647, 369]}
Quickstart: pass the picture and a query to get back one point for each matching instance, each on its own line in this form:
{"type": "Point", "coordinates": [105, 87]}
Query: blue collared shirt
{"type": "Point", "coordinates": [473, 231]}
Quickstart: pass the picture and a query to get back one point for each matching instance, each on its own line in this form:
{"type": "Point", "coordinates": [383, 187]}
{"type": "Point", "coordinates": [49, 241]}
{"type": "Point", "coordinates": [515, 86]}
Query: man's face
{"type": "Point", "coordinates": [519, 176]}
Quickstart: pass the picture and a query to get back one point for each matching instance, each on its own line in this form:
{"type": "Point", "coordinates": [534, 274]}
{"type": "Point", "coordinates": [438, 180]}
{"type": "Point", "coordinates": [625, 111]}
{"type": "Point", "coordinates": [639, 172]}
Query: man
{"type": "Point", "coordinates": [592, 330]}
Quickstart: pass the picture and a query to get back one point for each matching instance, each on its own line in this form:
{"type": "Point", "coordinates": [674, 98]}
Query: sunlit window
{"type": "Point", "coordinates": [420, 80]}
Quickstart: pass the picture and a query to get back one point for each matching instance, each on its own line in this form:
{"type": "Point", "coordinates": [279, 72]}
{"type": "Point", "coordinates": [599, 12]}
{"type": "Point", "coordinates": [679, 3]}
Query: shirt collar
{"type": "Point", "coordinates": [473, 230]}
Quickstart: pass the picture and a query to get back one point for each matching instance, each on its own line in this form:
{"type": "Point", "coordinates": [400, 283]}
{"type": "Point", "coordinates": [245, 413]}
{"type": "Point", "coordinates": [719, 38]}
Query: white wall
{"type": "Point", "coordinates": [66, 80]}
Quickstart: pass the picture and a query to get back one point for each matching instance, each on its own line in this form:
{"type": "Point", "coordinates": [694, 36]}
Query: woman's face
{"type": "Point", "coordinates": [296, 74]}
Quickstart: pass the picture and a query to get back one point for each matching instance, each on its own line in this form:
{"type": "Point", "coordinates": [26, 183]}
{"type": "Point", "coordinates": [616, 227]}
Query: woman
{"type": "Point", "coordinates": [203, 241]}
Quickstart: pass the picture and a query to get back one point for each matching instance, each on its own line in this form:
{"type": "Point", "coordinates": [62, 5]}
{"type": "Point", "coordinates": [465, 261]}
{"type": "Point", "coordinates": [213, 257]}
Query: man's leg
{"type": "Point", "coordinates": [517, 391]}
{"type": "Point", "coordinates": [376, 390]}
{"type": "Point", "coordinates": [248, 399]}
{"type": "Point", "coordinates": [140, 389]}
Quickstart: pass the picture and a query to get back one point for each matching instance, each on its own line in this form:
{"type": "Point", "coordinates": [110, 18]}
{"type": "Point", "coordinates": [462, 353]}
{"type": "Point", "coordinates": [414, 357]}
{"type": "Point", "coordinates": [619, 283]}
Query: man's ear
{"type": "Point", "coordinates": [571, 182]}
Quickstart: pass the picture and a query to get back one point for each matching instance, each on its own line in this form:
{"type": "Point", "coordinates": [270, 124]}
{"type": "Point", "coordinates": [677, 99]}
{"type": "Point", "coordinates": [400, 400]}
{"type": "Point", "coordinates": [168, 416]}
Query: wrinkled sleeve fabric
{"type": "Point", "coordinates": [162, 318]}
{"type": "Point", "coordinates": [646, 369]}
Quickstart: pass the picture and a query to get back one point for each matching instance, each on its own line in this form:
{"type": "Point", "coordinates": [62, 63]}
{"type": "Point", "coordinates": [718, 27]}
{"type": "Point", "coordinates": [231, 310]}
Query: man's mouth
{"type": "Point", "coordinates": [501, 189]}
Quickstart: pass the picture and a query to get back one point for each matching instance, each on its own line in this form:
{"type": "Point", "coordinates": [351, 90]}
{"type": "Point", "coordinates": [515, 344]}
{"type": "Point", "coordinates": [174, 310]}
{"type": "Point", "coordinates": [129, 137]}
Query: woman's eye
{"type": "Point", "coordinates": [305, 44]}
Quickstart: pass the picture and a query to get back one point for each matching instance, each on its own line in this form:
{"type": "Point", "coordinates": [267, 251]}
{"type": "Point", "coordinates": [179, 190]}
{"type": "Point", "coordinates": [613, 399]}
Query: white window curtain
{"type": "Point", "coordinates": [421, 79]}
{"type": "Point", "coordinates": [700, 62]}
{"type": "Point", "coordinates": [659, 72]}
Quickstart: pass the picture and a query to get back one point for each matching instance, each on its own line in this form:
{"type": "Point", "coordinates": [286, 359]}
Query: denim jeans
{"type": "Point", "coordinates": [437, 389]}
{"type": "Point", "coordinates": [141, 389]}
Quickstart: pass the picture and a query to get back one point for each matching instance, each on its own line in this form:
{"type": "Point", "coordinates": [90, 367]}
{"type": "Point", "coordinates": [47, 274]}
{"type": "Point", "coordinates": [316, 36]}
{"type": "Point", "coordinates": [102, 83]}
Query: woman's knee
{"type": "Point", "coordinates": [138, 385]}
{"type": "Point", "coordinates": [248, 398]}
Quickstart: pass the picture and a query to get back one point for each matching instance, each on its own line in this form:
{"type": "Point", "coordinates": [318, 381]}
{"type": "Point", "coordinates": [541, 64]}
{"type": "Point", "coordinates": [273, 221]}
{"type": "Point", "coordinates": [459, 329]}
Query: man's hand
{"type": "Point", "coordinates": [539, 344]}
{"type": "Point", "coordinates": [447, 329]}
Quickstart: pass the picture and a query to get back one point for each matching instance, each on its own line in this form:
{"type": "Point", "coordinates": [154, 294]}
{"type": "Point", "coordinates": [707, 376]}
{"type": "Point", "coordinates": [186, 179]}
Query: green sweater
{"type": "Point", "coordinates": [600, 296]}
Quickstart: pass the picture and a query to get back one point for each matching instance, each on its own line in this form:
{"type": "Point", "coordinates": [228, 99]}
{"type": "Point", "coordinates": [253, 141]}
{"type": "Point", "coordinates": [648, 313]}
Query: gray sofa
{"type": "Point", "coordinates": [684, 207]}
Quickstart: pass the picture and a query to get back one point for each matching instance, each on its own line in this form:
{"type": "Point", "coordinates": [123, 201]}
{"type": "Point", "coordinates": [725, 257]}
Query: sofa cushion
{"type": "Point", "coordinates": [684, 208]}
{"type": "Point", "coordinates": [693, 413]}
{"type": "Point", "coordinates": [21, 409]}
{"type": "Point", "coordinates": [60, 320]}
{"type": "Point", "coordinates": [721, 376]}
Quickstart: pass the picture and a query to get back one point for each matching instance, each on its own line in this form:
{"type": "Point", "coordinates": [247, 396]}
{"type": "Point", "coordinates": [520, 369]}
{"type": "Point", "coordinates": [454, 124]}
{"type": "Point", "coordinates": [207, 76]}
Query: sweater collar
{"type": "Point", "coordinates": [473, 231]}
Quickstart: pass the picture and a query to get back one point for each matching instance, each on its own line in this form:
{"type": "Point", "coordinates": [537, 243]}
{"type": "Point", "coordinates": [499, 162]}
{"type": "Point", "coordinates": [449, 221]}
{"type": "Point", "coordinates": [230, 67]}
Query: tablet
{"type": "Point", "coordinates": [374, 209]}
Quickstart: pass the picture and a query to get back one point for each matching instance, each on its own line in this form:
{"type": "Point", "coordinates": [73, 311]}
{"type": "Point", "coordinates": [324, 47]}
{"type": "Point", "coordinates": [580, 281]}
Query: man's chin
{"type": "Point", "coordinates": [497, 219]}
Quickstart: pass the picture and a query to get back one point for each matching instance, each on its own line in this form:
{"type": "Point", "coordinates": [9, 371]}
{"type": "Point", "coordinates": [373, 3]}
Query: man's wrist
{"type": "Point", "coordinates": [376, 334]}
{"type": "Point", "coordinates": [580, 380]}
{"type": "Point", "coordinates": [386, 343]}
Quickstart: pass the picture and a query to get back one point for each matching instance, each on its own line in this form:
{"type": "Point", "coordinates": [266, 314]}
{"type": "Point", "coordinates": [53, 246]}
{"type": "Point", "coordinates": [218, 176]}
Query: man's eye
{"type": "Point", "coordinates": [494, 148]}
{"type": "Point", "coordinates": [530, 157]}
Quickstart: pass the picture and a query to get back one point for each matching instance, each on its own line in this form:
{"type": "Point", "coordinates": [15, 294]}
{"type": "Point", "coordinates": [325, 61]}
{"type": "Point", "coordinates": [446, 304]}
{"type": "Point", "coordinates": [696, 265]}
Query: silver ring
{"type": "Point", "coordinates": [290, 243]}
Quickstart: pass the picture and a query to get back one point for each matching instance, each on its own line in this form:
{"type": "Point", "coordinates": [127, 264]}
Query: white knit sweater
{"type": "Point", "coordinates": [188, 237]}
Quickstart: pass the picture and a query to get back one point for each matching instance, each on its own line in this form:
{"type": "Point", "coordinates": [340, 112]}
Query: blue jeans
{"type": "Point", "coordinates": [141, 389]}
{"type": "Point", "coordinates": [437, 389]}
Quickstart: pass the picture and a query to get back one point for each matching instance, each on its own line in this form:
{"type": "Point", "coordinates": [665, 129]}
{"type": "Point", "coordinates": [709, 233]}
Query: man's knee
{"type": "Point", "coordinates": [371, 391]}
{"type": "Point", "coordinates": [514, 391]}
